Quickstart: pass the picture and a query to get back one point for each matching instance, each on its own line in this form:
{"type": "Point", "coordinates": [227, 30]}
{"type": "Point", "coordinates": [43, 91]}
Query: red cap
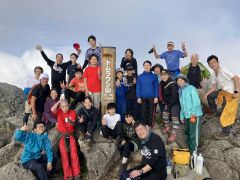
{"type": "Point", "coordinates": [76, 46]}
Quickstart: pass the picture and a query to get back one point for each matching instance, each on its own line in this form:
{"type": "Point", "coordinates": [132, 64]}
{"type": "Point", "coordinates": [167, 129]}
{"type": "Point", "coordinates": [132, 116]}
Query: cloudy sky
{"type": "Point", "coordinates": [207, 27]}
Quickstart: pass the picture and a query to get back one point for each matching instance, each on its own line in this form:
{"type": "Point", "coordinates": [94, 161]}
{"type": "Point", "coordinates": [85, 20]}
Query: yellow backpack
{"type": "Point", "coordinates": [181, 156]}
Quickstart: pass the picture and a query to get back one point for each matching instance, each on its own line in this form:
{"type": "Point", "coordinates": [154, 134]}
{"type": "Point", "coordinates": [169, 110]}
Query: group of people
{"type": "Point", "coordinates": [182, 94]}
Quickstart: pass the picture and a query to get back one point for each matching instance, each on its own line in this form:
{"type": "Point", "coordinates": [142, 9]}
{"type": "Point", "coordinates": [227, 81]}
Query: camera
{"type": "Point", "coordinates": [150, 51]}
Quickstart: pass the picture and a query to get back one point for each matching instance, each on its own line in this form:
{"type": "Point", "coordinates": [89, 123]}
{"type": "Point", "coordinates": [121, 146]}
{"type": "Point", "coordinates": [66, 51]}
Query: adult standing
{"type": "Point", "coordinates": [227, 95]}
{"type": "Point", "coordinates": [58, 69]}
{"type": "Point", "coordinates": [38, 96]}
{"type": "Point", "coordinates": [94, 49]}
{"type": "Point", "coordinates": [129, 59]}
{"type": "Point", "coordinates": [172, 57]}
{"type": "Point", "coordinates": [197, 75]}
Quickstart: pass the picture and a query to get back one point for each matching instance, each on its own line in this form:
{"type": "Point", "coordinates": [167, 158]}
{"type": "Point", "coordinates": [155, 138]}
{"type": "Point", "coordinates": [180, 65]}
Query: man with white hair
{"type": "Point", "coordinates": [38, 95]}
{"type": "Point", "coordinates": [197, 75]}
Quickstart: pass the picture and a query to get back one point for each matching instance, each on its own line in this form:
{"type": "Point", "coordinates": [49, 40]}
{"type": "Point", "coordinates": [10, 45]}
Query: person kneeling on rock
{"type": "Point", "coordinates": [37, 150]}
{"type": "Point", "coordinates": [67, 144]}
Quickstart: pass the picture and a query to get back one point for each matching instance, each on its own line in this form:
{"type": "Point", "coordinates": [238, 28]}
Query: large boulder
{"type": "Point", "coordinates": [11, 101]}
{"type": "Point", "coordinates": [232, 157]}
{"type": "Point", "coordinates": [100, 158]}
{"type": "Point", "coordinates": [14, 171]}
{"type": "Point", "coordinates": [7, 131]}
{"type": "Point", "coordinates": [9, 153]}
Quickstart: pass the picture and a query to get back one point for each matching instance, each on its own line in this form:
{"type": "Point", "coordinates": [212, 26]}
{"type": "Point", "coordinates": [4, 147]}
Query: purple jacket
{"type": "Point", "coordinates": [47, 114]}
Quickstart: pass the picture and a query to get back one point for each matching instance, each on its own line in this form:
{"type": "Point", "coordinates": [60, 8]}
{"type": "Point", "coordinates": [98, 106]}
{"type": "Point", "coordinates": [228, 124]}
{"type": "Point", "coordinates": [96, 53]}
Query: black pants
{"type": "Point", "coordinates": [126, 149]}
{"type": "Point", "coordinates": [87, 126]}
{"type": "Point", "coordinates": [147, 107]}
{"type": "Point", "coordinates": [77, 96]}
{"type": "Point", "coordinates": [39, 166]}
{"type": "Point", "coordinates": [116, 132]}
{"type": "Point", "coordinates": [132, 106]}
{"type": "Point", "coordinates": [211, 100]}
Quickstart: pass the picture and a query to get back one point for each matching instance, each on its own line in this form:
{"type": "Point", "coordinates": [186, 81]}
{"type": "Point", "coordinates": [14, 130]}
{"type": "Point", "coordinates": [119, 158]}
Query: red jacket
{"type": "Point", "coordinates": [66, 121]}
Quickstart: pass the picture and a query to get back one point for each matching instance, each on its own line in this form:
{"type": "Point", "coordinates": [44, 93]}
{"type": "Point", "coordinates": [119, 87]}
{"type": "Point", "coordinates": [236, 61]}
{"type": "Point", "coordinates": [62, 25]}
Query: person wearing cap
{"type": "Point", "coordinates": [38, 96]}
{"type": "Point", "coordinates": [58, 69]}
{"type": "Point", "coordinates": [147, 93]}
{"type": "Point", "coordinates": [172, 57]}
{"type": "Point", "coordinates": [94, 49]}
{"type": "Point", "coordinates": [129, 59]}
{"type": "Point", "coordinates": [38, 70]}
{"type": "Point", "coordinates": [131, 98]}
{"type": "Point", "coordinates": [121, 90]}
{"type": "Point", "coordinates": [171, 110]}
{"type": "Point", "coordinates": [191, 111]}
{"type": "Point", "coordinates": [227, 96]}
{"type": "Point", "coordinates": [79, 83]}
{"type": "Point", "coordinates": [92, 75]}
{"type": "Point", "coordinates": [157, 69]}
{"type": "Point", "coordinates": [37, 153]}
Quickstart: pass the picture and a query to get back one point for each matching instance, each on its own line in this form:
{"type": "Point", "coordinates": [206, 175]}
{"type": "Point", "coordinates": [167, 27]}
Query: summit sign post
{"type": "Point", "coordinates": [108, 87]}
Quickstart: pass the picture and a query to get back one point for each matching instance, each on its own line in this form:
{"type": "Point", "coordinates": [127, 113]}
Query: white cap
{"type": "Point", "coordinates": [43, 75]}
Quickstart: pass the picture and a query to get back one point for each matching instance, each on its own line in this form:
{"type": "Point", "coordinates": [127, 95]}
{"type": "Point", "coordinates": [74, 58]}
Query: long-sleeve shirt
{"type": "Point", "coordinates": [147, 85]}
{"type": "Point", "coordinates": [58, 71]}
{"type": "Point", "coordinates": [34, 145]}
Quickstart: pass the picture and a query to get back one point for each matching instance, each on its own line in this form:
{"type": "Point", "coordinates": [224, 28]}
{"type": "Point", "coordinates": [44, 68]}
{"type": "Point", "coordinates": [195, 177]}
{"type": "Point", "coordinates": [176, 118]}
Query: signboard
{"type": "Point", "coordinates": [108, 86]}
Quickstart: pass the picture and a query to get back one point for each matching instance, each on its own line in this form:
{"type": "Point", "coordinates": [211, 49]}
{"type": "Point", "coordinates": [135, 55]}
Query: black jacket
{"type": "Point", "coordinates": [170, 93]}
{"type": "Point", "coordinates": [132, 61]}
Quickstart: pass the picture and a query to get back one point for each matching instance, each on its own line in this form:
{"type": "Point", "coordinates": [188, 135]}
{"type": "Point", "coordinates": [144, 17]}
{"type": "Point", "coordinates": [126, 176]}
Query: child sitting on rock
{"type": "Point", "coordinates": [191, 111]}
{"type": "Point", "coordinates": [111, 124]}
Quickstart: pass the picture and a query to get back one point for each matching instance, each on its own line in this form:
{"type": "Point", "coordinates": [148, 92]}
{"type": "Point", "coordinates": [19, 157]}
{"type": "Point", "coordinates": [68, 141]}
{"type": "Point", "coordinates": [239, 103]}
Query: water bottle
{"type": "Point", "coordinates": [169, 167]}
{"type": "Point", "coordinates": [199, 164]}
{"type": "Point", "coordinates": [62, 96]}
{"type": "Point", "coordinates": [193, 160]}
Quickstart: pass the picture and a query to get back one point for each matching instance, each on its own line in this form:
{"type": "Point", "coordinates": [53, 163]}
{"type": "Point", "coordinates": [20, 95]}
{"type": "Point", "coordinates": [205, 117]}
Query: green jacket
{"type": "Point", "coordinates": [190, 102]}
{"type": "Point", "coordinates": [204, 71]}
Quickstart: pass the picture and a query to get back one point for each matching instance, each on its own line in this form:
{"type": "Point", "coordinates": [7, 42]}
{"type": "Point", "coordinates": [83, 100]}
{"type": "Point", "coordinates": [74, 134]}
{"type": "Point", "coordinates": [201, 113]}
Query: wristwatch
{"type": "Point", "coordinates": [141, 171]}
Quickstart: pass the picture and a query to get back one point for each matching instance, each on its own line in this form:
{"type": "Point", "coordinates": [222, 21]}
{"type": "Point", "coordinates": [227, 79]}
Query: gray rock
{"type": "Point", "coordinates": [12, 101]}
{"type": "Point", "coordinates": [235, 175]}
{"type": "Point", "coordinates": [7, 131]}
{"type": "Point", "coordinates": [210, 128]}
{"type": "Point", "coordinates": [221, 144]}
{"type": "Point", "coordinates": [99, 159]}
{"type": "Point", "coordinates": [14, 171]}
{"type": "Point", "coordinates": [214, 153]}
{"type": "Point", "coordinates": [218, 169]}
{"type": "Point", "coordinates": [232, 157]}
{"type": "Point", "coordinates": [9, 152]}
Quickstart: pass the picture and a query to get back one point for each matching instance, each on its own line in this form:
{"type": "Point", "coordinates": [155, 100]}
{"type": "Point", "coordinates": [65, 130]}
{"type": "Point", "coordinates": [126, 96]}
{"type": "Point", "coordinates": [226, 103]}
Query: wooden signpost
{"type": "Point", "coordinates": [108, 86]}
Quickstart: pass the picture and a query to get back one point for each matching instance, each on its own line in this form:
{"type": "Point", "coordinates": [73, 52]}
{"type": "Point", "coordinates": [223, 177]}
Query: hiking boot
{"type": "Point", "coordinates": [221, 136]}
{"type": "Point", "coordinates": [81, 136]}
{"type": "Point", "coordinates": [166, 130]}
{"type": "Point", "coordinates": [172, 138]}
{"type": "Point", "coordinates": [211, 115]}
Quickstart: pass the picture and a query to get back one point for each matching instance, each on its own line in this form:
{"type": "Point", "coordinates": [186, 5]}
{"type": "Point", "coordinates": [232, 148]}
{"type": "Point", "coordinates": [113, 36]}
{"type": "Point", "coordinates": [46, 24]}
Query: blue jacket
{"type": "Point", "coordinates": [34, 144]}
{"type": "Point", "coordinates": [190, 102]}
{"type": "Point", "coordinates": [147, 85]}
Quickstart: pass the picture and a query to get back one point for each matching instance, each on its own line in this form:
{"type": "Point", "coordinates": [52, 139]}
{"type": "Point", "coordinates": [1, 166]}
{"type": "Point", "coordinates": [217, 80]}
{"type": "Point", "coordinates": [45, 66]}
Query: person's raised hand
{"type": "Point", "coordinates": [62, 84]}
{"type": "Point", "coordinates": [183, 45]}
{"type": "Point", "coordinates": [39, 48]}
{"type": "Point", "coordinates": [24, 128]}
{"type": "Point", "coordinates": [81, 120]}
